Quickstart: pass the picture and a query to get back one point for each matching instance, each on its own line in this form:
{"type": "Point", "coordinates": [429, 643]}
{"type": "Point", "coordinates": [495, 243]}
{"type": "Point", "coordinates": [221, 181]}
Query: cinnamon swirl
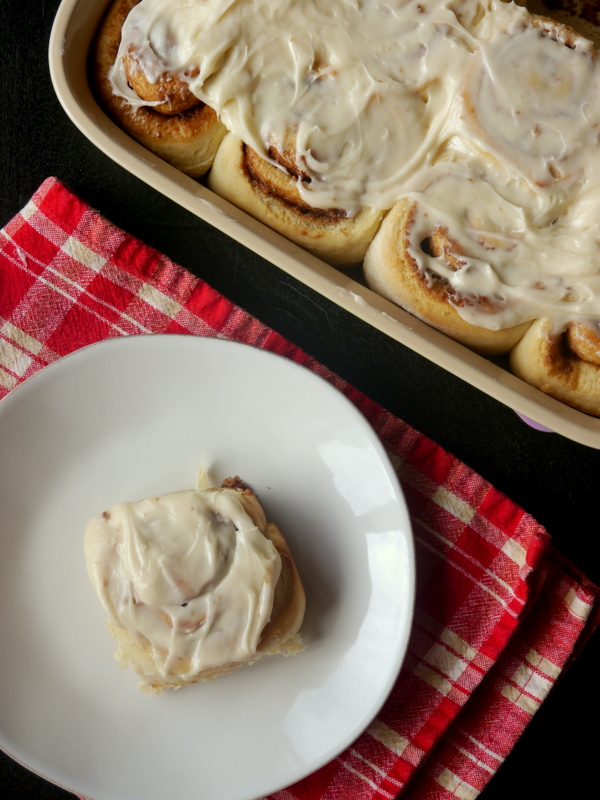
{"type": "Point", "coordinates": [419, 261]}
{"type": "Point", "coordinates": [270, 194]}
{"type": "Point", "coordinates": [195, 583]}
{"type": "Point", "coordinates": [532, 99]}
{"type": "Point", "coordinates": [564, 363]}
{"type": "Point", "coordinates": [167, 119]}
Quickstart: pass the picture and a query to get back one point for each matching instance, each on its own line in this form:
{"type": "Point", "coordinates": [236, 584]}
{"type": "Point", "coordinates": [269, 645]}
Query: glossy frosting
{"type": "Point", "coordinates": [189, 573]}
{"type": "Point", "coordinates": [487, 120]}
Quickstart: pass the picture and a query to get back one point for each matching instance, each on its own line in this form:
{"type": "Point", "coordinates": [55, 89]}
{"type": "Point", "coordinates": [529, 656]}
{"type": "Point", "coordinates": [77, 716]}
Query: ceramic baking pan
{"type": "Point", "coordinates": [72, 36]}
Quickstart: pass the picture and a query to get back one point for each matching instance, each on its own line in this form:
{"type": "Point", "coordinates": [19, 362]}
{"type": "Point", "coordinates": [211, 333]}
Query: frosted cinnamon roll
{"type": "Point", "coordinates": [164, 115]}
{"type": "Point", "coordinates": [531, 98]}
{"type": "Point", "coordinates": [562, 362]}
{"type": "Point", "coordinates": [195, 583]}
{"type": "Point", "coordinates": [449, 252]}
{"type": "Point", "coordinates": [490, 248]}
{"type": "Point", "coordinates": [270, 194]}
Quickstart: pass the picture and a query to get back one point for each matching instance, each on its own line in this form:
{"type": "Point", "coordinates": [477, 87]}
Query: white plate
{"type": "Point", "coordinates": [129, 417]}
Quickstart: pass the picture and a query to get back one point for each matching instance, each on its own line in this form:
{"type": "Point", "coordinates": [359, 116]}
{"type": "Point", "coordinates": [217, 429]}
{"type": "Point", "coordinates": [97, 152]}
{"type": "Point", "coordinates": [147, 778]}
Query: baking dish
{"type": "Point", "coordinates": [72, 36]}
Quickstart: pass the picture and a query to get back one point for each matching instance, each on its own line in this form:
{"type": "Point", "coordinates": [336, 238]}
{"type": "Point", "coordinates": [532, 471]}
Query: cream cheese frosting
{"type": "Point", "coordinates": [188, 574]}
{"type": "Point", "coordinates": [486, 118]}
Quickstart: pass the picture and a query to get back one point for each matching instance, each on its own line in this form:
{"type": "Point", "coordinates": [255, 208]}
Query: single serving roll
{"type": "Point", "coordinates": [195, 583]}
{"type": "Point", "coordinates": [270, 194]}
{"type": "Point", "coordinates": [531, 98]}
{"type": "Point", "coordinates": [417, 263]}
{"type": "Point", "coordinates": [163, 115]}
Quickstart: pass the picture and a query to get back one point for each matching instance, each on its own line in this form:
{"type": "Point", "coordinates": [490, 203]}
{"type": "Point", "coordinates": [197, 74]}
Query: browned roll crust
{"type": "Point", "coordinates": [188, 139]}
{"type": "Point", "coordinates": [270, 195]}
{"type": "Point", "coordinates": [169, 95]}
{"type": "Point", "coordinates": [290, 600]}
{"type": "Point", "coordinates": [564, 364]}
{"type": "Point", "coordinates": [280, 634]}
{"type": "Point", "coordinates": [391, 270]}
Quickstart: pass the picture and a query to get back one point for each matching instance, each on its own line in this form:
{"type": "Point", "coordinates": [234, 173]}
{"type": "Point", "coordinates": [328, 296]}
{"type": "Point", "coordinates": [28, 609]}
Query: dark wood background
{"type": "Point", "coordinates": [554, 479]}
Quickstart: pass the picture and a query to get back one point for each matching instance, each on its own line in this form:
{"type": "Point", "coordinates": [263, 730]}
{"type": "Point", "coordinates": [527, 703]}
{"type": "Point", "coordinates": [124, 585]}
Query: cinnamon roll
{"type": "Point", "coordinates": [562, 362]}
{"type": "Point", "coordinates": [531, 98]}
{"type": "Point", "coordinates": [270, 194]}
{"type": "Point", "coordinates": [446, 252]}
{"type": "Point", "coordinates": [195, 583]}
{"type": "Point", "coordinates": [163, 115]}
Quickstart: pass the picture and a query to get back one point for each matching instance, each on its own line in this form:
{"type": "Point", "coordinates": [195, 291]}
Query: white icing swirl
{"type": "Point", "coordinates": [189, 573]}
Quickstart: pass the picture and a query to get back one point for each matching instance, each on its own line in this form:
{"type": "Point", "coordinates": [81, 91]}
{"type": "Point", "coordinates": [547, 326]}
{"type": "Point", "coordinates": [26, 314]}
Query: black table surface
{"type": "Point", "coordinates": [554, 479]}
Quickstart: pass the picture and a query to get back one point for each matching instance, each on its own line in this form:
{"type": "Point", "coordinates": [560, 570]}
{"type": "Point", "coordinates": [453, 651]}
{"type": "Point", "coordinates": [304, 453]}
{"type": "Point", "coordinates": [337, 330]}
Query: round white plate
{"type": "Point", "coordinates": [130, 417]}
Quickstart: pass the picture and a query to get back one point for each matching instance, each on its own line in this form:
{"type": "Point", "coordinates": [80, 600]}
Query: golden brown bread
{"type": "Point", "coordinates": [562, 363]}
{"type": "Point", "coordinates": [187, 140]}
{"type": "Point", "coordinates": [169, 95]}
{"type": "Point", "coordinates": [391, 270]}
{"type": "Point", "coordinates": [270, 194]}
{"type": "Point", "coordinates": [279, 634]}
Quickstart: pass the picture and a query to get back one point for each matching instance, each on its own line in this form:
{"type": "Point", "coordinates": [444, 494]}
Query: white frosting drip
{"type": "Point", "coordinates": [486, 121]}
{"type": "Point", "coordinates": [189, 573]}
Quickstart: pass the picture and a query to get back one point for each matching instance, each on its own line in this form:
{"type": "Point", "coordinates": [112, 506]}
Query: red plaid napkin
{"type": "Point", "coordinates": [68, 277]}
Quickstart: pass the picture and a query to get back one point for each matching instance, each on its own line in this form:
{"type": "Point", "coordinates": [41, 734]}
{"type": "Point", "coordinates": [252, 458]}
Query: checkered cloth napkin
{"type": "Point", "coordinates": [499, 613]}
